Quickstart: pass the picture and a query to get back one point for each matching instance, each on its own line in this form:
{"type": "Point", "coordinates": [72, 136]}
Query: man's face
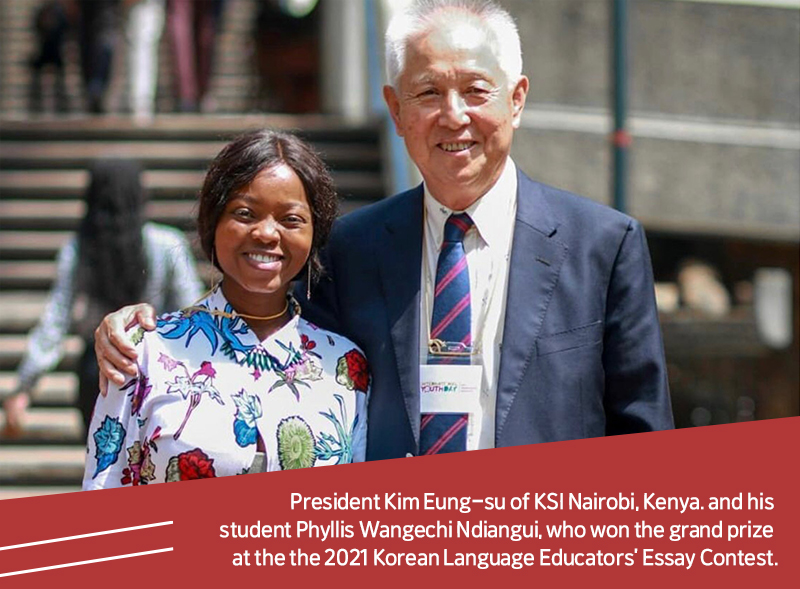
{"type": "Point", "coordinates": [456, 111]}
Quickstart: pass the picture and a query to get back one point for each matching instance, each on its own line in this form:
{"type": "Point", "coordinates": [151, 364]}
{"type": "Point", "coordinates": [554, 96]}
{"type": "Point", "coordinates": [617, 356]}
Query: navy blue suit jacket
{"type": "Point", "coordinates": [581, 354]}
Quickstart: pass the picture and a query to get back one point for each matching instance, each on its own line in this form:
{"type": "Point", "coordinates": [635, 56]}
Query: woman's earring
{"type": "Point", "coordinates": [308, 285]}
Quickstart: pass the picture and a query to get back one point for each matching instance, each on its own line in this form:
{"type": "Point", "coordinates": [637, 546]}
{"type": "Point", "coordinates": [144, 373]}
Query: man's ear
{"type": "Point", "coordinates": [393, 104]}
{"type": "Point", "coordinates": [518, 96]}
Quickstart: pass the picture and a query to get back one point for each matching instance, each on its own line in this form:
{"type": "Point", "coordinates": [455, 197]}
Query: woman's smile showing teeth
{"type": "Point", "coordinates": [264, 261]}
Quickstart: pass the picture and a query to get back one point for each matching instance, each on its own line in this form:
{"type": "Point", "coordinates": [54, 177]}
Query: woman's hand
{"type": "Point", "coordinates": [116, 355]}
{"type": "Point", "coordinates": [15, 407]}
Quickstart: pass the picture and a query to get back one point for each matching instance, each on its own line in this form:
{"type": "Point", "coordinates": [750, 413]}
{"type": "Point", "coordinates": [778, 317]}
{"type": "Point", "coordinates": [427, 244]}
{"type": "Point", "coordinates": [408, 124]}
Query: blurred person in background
{"type": "Point", "coordinates": [287, 55]}
{"type": "Point", "coordinates": [116, 258]}
{"type": "Point", "coordinates": [145, 22]}
{"type": "Point", "coordinates": [193, 26]}
{"type": "Point", "coordinates": [99, 22]}
{"type": "Point", "coordinates": [51, 23]}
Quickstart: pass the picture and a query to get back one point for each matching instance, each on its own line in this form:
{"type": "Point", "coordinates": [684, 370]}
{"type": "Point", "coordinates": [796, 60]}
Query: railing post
{"type": "Point", "coordinates": [393, 147]}
{"type": "Point", "coordinates": [620, 138]}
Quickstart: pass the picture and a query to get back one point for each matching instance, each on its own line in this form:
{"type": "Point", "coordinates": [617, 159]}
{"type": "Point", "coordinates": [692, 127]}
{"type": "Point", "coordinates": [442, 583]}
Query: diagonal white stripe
{"type": "Point", "coordinates": [169, 523]}
{"type": "Point", "coordinates": [94, 560]}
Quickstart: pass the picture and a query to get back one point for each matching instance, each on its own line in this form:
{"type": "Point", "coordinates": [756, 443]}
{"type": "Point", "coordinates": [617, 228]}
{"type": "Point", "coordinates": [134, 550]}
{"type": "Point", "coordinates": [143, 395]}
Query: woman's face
{"type": "Point", "coordinates": [263, 237]}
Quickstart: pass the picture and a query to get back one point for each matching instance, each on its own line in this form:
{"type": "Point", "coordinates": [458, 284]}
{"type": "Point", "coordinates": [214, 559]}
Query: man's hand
{"type": "Point", "coordinates": [15, 407]}
{"type": "Point", "coordinates": [116, 355]}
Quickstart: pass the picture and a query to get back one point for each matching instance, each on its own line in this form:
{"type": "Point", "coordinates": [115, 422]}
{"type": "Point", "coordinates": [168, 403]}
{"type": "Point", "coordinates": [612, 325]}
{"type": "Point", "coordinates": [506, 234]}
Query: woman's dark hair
{"type": "Point", "coordinates": [112, 261]}
{"type": "Point", "coordinates": [242, 160]}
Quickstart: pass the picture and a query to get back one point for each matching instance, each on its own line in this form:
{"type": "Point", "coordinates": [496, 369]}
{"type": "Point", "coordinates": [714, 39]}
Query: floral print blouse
{"type": "Point", "coordinates": [209, 394]}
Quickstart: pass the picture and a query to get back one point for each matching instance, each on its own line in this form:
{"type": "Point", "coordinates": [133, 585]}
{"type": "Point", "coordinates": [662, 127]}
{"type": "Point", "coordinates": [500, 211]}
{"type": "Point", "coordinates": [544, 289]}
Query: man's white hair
{"type": "Point", "coordinates": [420, 16]}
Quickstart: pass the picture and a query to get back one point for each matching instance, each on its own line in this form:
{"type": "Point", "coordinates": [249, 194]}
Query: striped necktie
{"type": "Point", "coordinates": [451, 321]}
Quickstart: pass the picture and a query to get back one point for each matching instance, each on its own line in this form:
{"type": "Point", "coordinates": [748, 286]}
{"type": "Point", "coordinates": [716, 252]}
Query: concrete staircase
{"type": "Point", "coordinates": [42, 179]}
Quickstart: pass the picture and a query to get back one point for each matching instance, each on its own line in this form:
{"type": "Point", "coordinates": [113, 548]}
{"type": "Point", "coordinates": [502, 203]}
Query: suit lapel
{"type": "Point", "coordinates": [400, 275]}
{"type": "Point", "coordinates": [536, 258]}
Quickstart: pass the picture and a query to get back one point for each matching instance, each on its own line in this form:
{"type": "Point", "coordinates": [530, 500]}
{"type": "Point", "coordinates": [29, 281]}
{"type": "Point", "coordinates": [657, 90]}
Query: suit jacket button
{"type": "Point", "coordinates": [409, 455]}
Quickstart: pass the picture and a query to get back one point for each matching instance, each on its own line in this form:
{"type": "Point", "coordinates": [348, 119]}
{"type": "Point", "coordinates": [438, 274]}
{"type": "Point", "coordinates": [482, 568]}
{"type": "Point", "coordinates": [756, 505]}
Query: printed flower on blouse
{"type": "Point", "coordinates": [341, 446]}
{"type": "Point", "coordinates": [300, 368]}
{"type": "Point", "coordinates": [141, 469]}
{"type": "Point", "coordinates": [193, 387]}
{"type": "Point", "coordinates": [191, 465]}
{"type": "Point", "coordinates": [186, 325]}
{"type": "Point", "coordinates": [168, 362]}
{"type": "Point", "coordinates": [258, 358]}
{"type": "Point", "coordinates": [223, 333]}
{"type": "Point", "coordinates": [295, 443]}
{"type": "Point", "coordinates": [352, 371]}
{"type": "Point", "coordinates": [308, 345]}
{"type": "Point", "coordinates": [141, 388]}
{"type": "Point", "coordinates": [248, 410]}
{"type": "Point", "coordinates": [108, 440]}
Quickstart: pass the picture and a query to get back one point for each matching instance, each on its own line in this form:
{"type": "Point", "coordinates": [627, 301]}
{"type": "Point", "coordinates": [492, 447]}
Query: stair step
{"type": "Point", "coordinates": [13, 347]}
{"type": "Point", "coordinates": [159, 154]}
{"type": "Point", "coordinates": [31, 245]}
{"type": "Point", "coordinates": [48, 425]}
{"type": "Point", "coordinates": [32, 465]}
{"type": "Point", "coordinates": [16, 105]}
{"type": "Point", "coordinates": [57, 389]}
{"type": "Point", "coordinates": [184, 127]}
{"type": "Point", "coordinates": [236, 83]}
{"type": "Point", "coordinates": [73, 182]}
{"type": "Point", "coordinates": [27, 271]}
{"type": "Point", "coordinates": [20, 311]}
{"type": "Point", "coordinates": [24, 492]}
{"type": "Point", "coordinates": [163, 184]}
{"type": "Point", "coordinates": [64, 214]}
{"type": "Point", "coordinates": [40, 275]}
{"type": "Point", "coordinates": [44, 245]}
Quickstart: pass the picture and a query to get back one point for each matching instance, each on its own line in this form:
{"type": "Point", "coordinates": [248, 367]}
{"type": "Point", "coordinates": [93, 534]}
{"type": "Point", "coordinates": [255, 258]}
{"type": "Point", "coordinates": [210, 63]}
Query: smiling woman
{"type": "Point", "coordinates": [239, 382]}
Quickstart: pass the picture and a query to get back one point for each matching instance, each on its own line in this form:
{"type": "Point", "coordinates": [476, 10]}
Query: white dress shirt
{"type": "Point", "coordinates": [488, 249]}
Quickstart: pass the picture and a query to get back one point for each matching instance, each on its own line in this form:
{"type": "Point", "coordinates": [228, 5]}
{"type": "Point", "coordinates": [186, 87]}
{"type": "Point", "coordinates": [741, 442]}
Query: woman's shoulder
{"type": "Point", "coordinates": [170, 326]}
{"type": "Point", "coordinates": [176, 340]}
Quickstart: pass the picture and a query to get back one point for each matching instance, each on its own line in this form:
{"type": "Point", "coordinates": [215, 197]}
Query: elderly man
{"type": "Point", "coordinates": [548, 297]}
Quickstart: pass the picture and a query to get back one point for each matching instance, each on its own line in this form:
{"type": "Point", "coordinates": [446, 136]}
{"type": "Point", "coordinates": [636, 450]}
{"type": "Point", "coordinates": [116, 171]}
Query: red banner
{"type": "Point", "coordinates": [690, 507]}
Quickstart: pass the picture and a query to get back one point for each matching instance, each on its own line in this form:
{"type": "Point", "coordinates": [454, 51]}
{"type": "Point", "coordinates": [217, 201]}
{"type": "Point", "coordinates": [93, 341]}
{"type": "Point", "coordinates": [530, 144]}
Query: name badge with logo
{"type": "Point", "coordinates": [449, 388]}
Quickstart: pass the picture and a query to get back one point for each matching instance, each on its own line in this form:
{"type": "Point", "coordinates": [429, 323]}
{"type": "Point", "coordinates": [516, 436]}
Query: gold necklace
{"type": "Point", "coordinates": [235, 315]}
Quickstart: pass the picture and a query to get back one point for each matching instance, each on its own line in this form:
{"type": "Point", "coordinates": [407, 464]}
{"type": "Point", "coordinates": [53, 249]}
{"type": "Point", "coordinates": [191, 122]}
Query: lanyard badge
{"type": "Point", "coordinates": [450, 381]}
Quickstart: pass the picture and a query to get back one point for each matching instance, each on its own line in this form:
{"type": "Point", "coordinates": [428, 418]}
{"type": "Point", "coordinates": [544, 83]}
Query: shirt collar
{"type": "Point", "coordinates": [483, 211]}
{"type": "Point", "coordinates": [242, 343]}
{"type": "Point", "coordinates": [216, 301]}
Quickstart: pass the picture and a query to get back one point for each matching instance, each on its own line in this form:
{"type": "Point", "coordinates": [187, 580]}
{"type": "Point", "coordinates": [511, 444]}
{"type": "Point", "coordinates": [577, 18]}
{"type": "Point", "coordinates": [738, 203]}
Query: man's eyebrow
{"type": "Point", "coordinates": [477, 75]}
{"type": "Point", "coordinates": [421, 79]}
